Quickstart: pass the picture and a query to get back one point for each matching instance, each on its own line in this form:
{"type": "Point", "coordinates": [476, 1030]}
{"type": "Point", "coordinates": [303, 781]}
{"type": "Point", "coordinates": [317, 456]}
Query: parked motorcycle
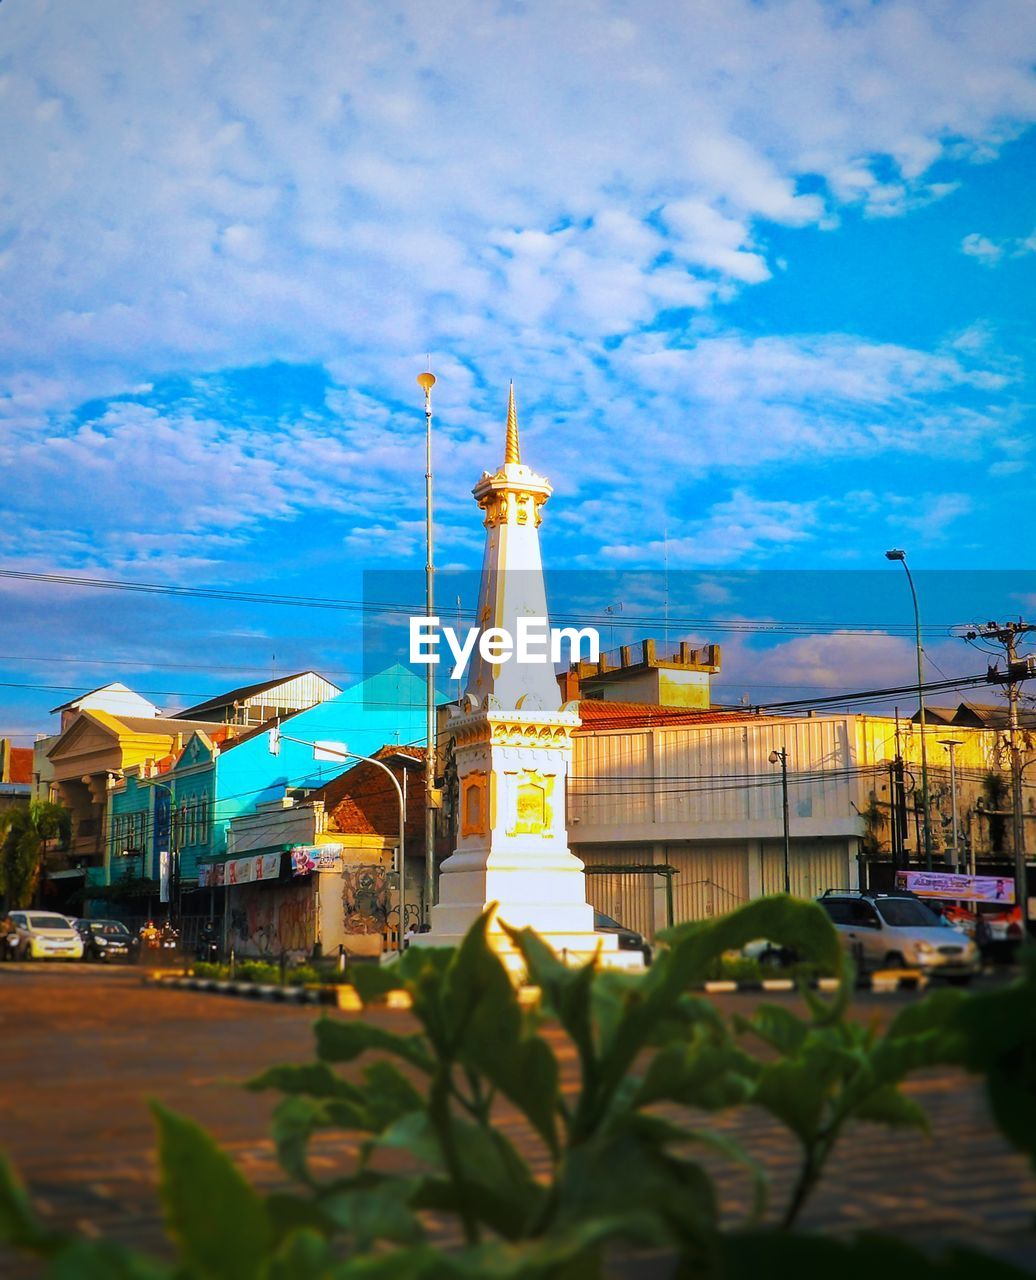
{"type": "Point", "coordinates": [208, 946]}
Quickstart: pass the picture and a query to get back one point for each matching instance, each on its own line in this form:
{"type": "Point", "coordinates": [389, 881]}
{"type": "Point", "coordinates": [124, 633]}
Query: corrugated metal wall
{"type": "Point", "coordinates": [719, 774]}
{"type": "Point", "coordinates": [304, 691]}
{"type": "Point", "coordinates": [815, 865]}
{"type": "Point", "coordinates": [629, 898]}
{"type": "Point", "coordinates": [711, 881]}
{"type": "Point", "coordinates": [610, 782]}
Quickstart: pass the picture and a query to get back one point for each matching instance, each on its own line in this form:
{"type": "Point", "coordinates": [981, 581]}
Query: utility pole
{"type": "Point", "coordinates": [426, 381]}
{"type": "Point", "coordinates": [1018, 669]}
{"type": "Point", "coordinates": [782, 757]}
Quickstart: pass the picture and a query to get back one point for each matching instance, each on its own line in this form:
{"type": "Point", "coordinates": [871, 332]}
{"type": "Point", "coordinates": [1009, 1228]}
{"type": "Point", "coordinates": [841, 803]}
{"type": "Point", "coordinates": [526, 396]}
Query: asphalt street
{"type": "Point", "coordinates": [84, 1048]}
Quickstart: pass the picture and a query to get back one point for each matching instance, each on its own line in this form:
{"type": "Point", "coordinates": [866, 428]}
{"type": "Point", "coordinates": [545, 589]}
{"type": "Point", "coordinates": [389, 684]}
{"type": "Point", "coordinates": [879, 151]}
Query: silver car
{"type": "Point", "coordinates": [43, 935]}
{"type": "Point", "coordinates": [897, 930]}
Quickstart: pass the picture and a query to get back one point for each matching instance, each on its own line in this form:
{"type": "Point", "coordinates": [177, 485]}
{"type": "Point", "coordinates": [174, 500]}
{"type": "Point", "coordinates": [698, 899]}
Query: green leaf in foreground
{"type": "Point", "coordinates": [19, 1226]}
{"type": "Point", "coordinates": [212, 1213]}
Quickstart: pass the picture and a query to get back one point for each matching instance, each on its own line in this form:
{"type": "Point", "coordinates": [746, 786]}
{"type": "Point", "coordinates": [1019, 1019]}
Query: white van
{"type": "Point", "coordinates": [43, 935]}
{"type": "Point", "coordinates": [896, 931]}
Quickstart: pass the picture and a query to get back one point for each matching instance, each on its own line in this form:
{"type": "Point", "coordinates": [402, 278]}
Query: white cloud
{"type": "Point", "coordinates": [735, 531]}
{"type": "Point", "coordinates": [932, 514]}
{"type": "Point", "coordinates": [205, 184]}
{"type": "Point", "coordinates": [978, 246]}
{"type": "Point", "coordinates": [992, 252]}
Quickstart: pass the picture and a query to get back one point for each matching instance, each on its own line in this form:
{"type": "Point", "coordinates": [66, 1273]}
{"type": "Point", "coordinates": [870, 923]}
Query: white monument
{"type": "Point", "coordinates": [513, 743]}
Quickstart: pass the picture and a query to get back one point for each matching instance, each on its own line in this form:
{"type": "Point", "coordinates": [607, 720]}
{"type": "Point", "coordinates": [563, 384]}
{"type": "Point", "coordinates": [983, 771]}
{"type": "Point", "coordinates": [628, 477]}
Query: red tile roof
{"type": "Point", "coordinates": [21, 764]}
{"type": "Point", "coordinates": [598, 715]}
{"type": "Point", "coordinates": [362, 801]}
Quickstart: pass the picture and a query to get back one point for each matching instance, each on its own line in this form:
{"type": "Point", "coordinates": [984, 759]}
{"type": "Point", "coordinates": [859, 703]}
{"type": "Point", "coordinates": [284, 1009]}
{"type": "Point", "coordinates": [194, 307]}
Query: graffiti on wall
{"type": "Point", "coordinates": [365, 899]}
{"type": "Point", "coordinates": [268, 923]}
{"type": "Point", "coordinates": [370, 901]}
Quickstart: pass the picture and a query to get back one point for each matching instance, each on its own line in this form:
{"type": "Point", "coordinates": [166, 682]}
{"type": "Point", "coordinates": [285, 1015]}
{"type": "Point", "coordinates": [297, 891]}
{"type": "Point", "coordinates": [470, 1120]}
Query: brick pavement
{"type": "Point", "coordinates": [84, 1050]}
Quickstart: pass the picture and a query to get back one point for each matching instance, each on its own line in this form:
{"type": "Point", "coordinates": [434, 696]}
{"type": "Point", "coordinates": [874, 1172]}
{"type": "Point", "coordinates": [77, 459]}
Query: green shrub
{"type": "Point", "coordinates": [258, 971]}
{"type": "Point", "coordinates": [618, 1148]}
{"type": "Point", "coordinates": [304, 975]}
{"type": "Point", "coordinates": [736, 969]}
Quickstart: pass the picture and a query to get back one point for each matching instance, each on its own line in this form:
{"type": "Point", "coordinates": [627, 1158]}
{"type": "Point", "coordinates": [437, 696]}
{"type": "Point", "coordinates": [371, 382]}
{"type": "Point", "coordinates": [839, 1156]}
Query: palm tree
{"type": "Point", "coordinates": [24, 831]}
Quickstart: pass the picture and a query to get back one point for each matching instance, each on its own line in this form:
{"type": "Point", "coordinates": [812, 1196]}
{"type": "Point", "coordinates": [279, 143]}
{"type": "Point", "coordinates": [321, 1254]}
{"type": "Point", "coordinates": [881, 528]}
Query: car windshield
{"type": "Point", "coordinates": [908, 913]}
{"type": "Point", "coordinates": [601, 921]}
{"type": "Point", "coordinates": [111, 928]}
{"type": "Point", "coordinates": [40, 921]}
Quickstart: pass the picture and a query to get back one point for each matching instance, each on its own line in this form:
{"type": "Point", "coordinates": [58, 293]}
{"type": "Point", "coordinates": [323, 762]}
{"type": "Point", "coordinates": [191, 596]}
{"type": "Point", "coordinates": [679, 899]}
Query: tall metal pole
{"type": "Point", "coordinates": [426, 381]}
{"type": "Point", "coordinates": [1007, 635]}
{"type": "Point", "coordinates": [782, 756]}
{"type": "Point", "coordinates": [951, 745]}
{"type": "Point", "coordinates": [1021, 878]}
{"type": "Point", "coordinates": [896, 554]}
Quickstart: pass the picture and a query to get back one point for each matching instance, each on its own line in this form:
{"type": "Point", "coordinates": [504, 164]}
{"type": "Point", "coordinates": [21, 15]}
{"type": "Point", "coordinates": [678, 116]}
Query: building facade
{"type": "Point", "coordinates": [654, 786]}
{"type": "Point", "coordinates": [185, 805]}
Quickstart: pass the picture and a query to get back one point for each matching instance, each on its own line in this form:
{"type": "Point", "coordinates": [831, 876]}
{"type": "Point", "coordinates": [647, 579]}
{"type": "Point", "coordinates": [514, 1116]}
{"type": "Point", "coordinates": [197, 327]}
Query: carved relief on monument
{"type": "Point", "coordinates": [533, 812]}
{"type": "Point", "coordinates": [474, 808]}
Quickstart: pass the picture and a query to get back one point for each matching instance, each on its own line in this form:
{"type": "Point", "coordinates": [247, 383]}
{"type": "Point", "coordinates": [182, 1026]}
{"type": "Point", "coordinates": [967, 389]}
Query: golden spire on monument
{"type": "Point", "coordinates": [511, 451]}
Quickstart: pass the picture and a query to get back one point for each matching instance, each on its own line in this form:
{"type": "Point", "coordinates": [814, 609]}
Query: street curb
{"type": "Point", "coordinates": [883, 982]}
{"type": "Point", "coordinates": [345, 997]}
{"type": "Point", "coordinates": [250, 990]}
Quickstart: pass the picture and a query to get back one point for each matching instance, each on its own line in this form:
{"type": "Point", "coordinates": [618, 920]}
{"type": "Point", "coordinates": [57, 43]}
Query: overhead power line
{"type": "Point", "coordinates": [868, 695]}
{"type": "Point", "coordinates": [396, 608]}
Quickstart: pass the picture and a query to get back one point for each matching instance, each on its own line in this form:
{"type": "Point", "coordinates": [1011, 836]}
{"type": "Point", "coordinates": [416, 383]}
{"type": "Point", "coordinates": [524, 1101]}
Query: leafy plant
{"type": "Point", "coordinates": [265, 973]}
{"type": "Point", "coordinates": [618, 1149]}
{"type": "Point", "coordinates": [25, 830]}
{"type": "Point", "coordinates": [259, 972]}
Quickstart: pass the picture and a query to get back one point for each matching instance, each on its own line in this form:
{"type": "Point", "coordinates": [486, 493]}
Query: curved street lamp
{"type": "Point", "coordinates": [897, 554]}
{"type": "Point", "coordinates": [339, 751]}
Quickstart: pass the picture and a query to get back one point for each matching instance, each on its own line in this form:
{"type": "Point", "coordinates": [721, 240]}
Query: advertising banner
{"type": "Point", "coordinates": [264, 866]}
{"type": "Point", "coordinates": [315, 857]}
{"type": "Point", "coordinates": [163, 875]}
{"type": "Point", "coordinates": [947, 884]}
{"type": "Point", "coordinates": [210, 875]}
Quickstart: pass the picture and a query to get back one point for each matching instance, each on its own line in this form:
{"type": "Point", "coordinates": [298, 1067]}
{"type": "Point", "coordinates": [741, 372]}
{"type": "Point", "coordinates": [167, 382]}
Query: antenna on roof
{"type": "Point", "coordinates": [665, 544]}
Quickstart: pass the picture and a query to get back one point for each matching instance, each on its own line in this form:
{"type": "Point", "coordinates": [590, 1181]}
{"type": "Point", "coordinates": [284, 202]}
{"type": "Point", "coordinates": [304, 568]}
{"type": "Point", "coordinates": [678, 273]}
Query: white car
{"type": "Point", "coordinates": [43, 935]}
{"type": "Point", "coordinates": [897, 930]}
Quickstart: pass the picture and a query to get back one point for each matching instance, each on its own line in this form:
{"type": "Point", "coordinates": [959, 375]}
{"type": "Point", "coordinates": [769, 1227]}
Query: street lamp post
{"type": "Point", "coordinates": [897, 554]}
{"type": "Point", "coordinates": [782, 756]}
{"type": "Point", "coordinates": [951, 745]}
{"type": "Point", "coordinates": [341, 752]}
{"type": "Point", "coordinates": [426, 381]}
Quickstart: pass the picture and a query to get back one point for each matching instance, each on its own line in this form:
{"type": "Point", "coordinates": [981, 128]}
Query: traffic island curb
{"type": "Point", "coordinates": [346, 998]}
{"type": "Point", "coordinates": [341, 996]}
{"type": "Point", "coordinates": [882, 981]}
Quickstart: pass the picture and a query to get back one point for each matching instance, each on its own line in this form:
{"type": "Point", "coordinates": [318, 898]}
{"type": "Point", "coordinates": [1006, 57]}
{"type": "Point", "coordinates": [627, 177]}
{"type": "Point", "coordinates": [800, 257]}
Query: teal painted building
{"type": "Point", "coordinates": [218, 777]}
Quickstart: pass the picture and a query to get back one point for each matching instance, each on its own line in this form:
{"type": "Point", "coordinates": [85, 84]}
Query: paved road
{"type": "Point", "coordinates": [84, 1048]}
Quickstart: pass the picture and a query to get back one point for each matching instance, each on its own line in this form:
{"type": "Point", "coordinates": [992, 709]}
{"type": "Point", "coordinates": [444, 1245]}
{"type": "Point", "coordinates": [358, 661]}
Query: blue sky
{"type": "Point", "coordinates": [762, 273]}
